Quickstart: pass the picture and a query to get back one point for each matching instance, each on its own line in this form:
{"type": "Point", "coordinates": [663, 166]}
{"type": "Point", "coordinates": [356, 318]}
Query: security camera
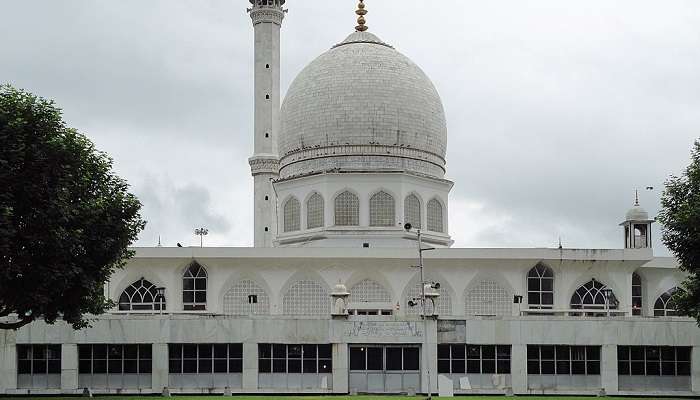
{"type": "Point", "coordinates": [407, 226]}
{"type": "Point", "coordinates": [436, 285]}
{"type": "Point", "coordinates": [411, 303]}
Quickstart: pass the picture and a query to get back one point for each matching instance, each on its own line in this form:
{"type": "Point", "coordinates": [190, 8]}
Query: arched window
{"type": "Point", "coordinates": [141, 295]}
{"type": "Point", "coordinates": [488, 298]}
{"type": "Point", "coordinates": [592, 296]}
{"type": "Point", "coordinates": [245, 298]}
{"type": "Point", "coordinates": [411, 210]}
{"type": "Point", "coordinates": [636, 294]}
{"type": "Point", "coordinates": [443, 303]}
{"type": "Point", "coordinates": [435, 216]}
{"type": "Point", "coordinates": [292, 215]}
{"type": "Point", "coordinates": [306, 297]}
{"type": "Point", "coordinates": [540, 287]}
{"type": "Point", "coordinates": [663, 306]}
{"type": "Point", "coordinates": [369, 291]}
{"type": "Point", "coordinates": [347, 209]}
{"type": "Point", "coordinates": [314, 211]}
{"type": "Point", "coordinates": [194, 288]}
{"type": "Point", "coordinates": [381, 209]}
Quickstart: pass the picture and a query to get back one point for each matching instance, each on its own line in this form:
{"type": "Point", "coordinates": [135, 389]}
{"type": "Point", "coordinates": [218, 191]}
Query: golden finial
{"type": "Point", "coordinates": [361, 27]}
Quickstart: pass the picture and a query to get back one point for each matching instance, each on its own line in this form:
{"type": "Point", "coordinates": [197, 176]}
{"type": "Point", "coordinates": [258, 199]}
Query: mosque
{"type": "Point", "coordinates": [352, 285]}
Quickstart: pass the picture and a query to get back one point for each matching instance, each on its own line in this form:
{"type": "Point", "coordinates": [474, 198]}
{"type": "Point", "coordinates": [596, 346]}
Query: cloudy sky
{"type": "Point", "coordinates": [557, 110]}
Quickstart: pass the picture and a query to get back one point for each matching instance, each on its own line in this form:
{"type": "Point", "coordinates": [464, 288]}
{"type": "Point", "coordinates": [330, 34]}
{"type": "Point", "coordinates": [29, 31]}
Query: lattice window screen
{"type": "Point", "coordinates": [347, 209]}
{"type": "Point", "coordinates": [314, 211]}
{"type": "Point", "coordinates": [488, 298]}
{"type": "Point", "coordinates": [435, 216]}
{"type": "Point", "coordinates": [443, 303]}
{"type": "Point", "coordinates": [238, 300]}
{"type": "Point", "coordinates": [306, 298]}
{"type": "Point", "coordinates": [292, 215]}
{"type": "Point", "coordinates": [369, 291]}
{"type": "Point", "coordinates": [381, 209]}
{"type": "Point", "coordinates": [411, 211]}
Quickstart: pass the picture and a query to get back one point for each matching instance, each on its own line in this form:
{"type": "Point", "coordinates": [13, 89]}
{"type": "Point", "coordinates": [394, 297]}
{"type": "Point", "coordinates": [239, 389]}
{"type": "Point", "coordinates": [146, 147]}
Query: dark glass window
{"type": "Point", "coordinates": [384, 358]}
{"type": "Point", "coordinates": [114, 359]}
{"type": "Point", "coordinates": [34, 359]}
{"type": "Point", "coordinates": [594, 295]}
{"type": "Point", "coordinates": [205, 358]}
{"type": "Point", "coordinates": [141, 295]}
{"type": "Point", "coordinates": [563, 360]}
{"type": "Point", "coordinates": [480, 359]}
{"type": "Point", "coordinates": [297, 358]}
{"type": "Point", "coordinates": [540, 287]}
{"type": "Point", "coordinates": [636, 294]}
{"type": "Point", "coordinates": [653, 360]}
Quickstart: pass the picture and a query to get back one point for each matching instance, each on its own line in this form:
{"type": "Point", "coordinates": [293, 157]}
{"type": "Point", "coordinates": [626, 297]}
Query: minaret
{"type": "Point", "coordinates": [267, 16]}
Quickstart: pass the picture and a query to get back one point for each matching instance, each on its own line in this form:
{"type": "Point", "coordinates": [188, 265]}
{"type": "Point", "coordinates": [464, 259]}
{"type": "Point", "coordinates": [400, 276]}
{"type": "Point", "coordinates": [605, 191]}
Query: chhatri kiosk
{"type": "Point", "coordinates": [328, 300]}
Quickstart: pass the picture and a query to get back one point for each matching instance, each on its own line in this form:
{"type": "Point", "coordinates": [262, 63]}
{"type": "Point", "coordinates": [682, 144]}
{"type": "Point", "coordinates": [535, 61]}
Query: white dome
{"type": "Point", "coordinates": [362, 106]}
{"type": "Point", "coordinates": [637, 213]}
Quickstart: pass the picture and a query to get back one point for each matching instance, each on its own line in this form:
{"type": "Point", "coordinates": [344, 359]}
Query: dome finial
{"type": "Point", "coordinates": [636, 197]}
{"type": "Point", "coordinates": [361, 27]}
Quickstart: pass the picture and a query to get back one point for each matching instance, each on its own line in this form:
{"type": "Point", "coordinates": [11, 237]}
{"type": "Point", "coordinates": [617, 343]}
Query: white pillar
{"type": "Point", "coordinates": [8, 361]}
{"type": "Point", "coordinates": [340, 368]}
{"type": "Point", "coordinates": [69, 368]}
{"type": "Point", "coordinates": [250, 367]}
{"type": "Point", "coordinates": [159, 367]}
{"type": "Point", "coordinates": [608, 368]}
{"type": "Point", "coordinates": [264, 164]}
{"type": "Point", "coordinates": [429, 357]}
{"type": "Point", "coordinates": [695, 369]}
{"type": "Point", "coordinates": [518, 368]}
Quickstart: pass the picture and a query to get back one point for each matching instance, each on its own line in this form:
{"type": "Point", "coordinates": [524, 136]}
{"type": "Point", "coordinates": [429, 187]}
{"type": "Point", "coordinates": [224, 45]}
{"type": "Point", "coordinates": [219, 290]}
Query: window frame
{"type": "Point", "coordinates": [382, 210]}
{"type": "Point", "coordinates": [462, 359]}
{"type": "Point", "coordinates": [346, 209]}
{"type": "Point", "coordinates": [563, 358]}
{"type": "Point", "coordinates": [196, 289]}
{"type": "Point", "coordinates": [143, 359]}
{"type": "Point", "coordinates": [39, 357]}
{"type": "Point", "coordinates": [205, 352]}
{"type": "Point", "coordinates": [541, 270]}
{"type": "Point", "coordinates": [315, 211]}
{"type": "Point", "coordinates": [291, 215]}
{"type": "Point", "coordinates": [277, 358]}
{"type": "Point", "coordinates": [140, 289]}
{"type": "Point", "coordinates": [403, 349]}
{"type": "Point", "coordinates": [626, 360]}
{"type": "Point", "coordinates": [435, 222]}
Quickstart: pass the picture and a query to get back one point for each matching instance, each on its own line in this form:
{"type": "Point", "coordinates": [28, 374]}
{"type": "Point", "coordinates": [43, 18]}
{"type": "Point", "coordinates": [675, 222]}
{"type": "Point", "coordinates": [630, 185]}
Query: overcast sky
{"type": "Point", "coordinates": [557, 110]}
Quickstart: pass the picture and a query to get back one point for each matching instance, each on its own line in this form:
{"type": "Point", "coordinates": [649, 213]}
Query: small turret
{"type": "Point", "coordinates": [637, 227]}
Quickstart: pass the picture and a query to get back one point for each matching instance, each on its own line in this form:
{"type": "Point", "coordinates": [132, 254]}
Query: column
{"type": "Point", "coordinates": [695, 369]}
{"type": "Point", "coordinates": [608, 368]}
{"type": "Point", "coordinates": [8, 362]}
{"type": "Point", "coordinates": [159, 368]}
{"type": "Point", "coordinates": [250, 367]}
{"type": "Point", "coordinates": [341, 374]}
{"type": "Point", "coordinates": [518, 368]}
{"type": "Point", "coordinates": [69, 368]}
{"type": "Point", "coordinates": [429, 357]}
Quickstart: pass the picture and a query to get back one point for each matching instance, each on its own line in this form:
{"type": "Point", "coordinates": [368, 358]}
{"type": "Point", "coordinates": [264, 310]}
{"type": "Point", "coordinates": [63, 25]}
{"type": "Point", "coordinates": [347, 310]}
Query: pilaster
{"type": "Point", "coordinates": [8, 361]}
{"type": "Point", "coordinates": [340, 368]}
{"type": "Point", "coordinates": [429, 357]}
{"type": "Point", "coordinates": [695, 369]}
{"type": "Point", "coordinates": [250, 367]}
{"type": "Point", "coordinates": [518, 368]}
{"type": "Point", "coordinates": [69, 368]}
{"type": "Point", "coordinates": [608, 368]}
{"type": "Point", "coordinates": [159, 367]}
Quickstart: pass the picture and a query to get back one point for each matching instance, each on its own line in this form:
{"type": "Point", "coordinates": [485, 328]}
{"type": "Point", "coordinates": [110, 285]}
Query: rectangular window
{"type": "Point", "coordinates": [114, 358]}
{"type": "Point", "coordinates": [384, 358]}
{"type": "Point", "coordinates": [473, 359]}
{"type": "Point", "coordinates": [36, 359]}
{"type": "Point", "coordinates": [295, 358]}
{"type": "Point", "coordinates": [205, 358]}
{"type": "Point", "coordinates": [563, 360]}
{"type": "Point", "coordinates": [653, 360]}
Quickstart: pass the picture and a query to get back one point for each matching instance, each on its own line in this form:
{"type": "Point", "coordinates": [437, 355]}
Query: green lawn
{"type": "Point", "coordinates": [397, 397]}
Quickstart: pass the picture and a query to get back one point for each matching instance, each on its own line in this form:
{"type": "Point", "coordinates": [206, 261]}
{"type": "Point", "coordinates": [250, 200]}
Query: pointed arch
{"type": "Point", "coordinates": [246, 297]}
{"type": "Point", "coordinates": [435, 216]}
{"type": "Point", "coordinates": [540, 287]}
{"type": "Point", "coordinates": [382, 209]}
{"type": "Point", "coordinates": [141, 295]}
{"type": "Point", "coordinates": [306, 297]}
{"type": "Point", "coordinates": [292, 215]}
{"type": "Point", "coordinates": [412, 210]}
{"type": "Point", "coordinates": [315, 211]}
{"type": "Point", "coordinates": [637, 297]}
{"type": "Point", "coordinates": [592, 296]}
{"type": "Point", "coordinates": [369, 291]}
{"type": "Point", "coordinates": [194, 287]}
{"type": "Point", "coordinates": [488, 297]}
{"type": "Point", "coordinates": [346, 209]}
{"type": "Point", "coordinates": [663, 306]}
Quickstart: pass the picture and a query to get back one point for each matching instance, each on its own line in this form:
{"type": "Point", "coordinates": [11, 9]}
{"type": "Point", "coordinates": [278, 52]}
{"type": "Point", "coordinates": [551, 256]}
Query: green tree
{"type": "Point", "coordinates": [66, 220]}
{"type": "Point", "coordinates": [680, 217]}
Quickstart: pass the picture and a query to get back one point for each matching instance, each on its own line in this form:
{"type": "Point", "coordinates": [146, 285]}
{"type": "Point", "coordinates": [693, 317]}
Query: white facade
{"type": "Point", "coordinates": [328, 300]}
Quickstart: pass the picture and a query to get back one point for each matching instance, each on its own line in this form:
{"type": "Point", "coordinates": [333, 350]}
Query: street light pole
{"type": "Point", "coordinates": [201, 232]}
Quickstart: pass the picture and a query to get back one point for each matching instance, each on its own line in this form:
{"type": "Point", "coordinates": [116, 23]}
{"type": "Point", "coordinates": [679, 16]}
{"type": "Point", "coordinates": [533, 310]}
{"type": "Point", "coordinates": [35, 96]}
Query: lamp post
{"type": "Point", "coordinates": [607, 292]}
{"type": "Point", "coordinates": [407, 226]}
{"type": "Point", "coordinates": [201, 232]}
{"type": "Point", "coordinates": [161, 298]}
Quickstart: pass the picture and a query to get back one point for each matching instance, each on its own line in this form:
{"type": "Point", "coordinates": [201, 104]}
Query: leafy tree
{"type": "Point", "coordinates": [66, 220]}
{"type": "Point", "coordinates": [680, 217]}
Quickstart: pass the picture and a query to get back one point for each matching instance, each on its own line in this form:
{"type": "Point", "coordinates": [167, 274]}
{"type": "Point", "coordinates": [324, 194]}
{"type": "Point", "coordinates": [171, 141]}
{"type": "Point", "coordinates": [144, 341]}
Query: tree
{"type": "Point", "coordinates": [66, 220]}
{"type": "Point", "coordinates": [680, 217]}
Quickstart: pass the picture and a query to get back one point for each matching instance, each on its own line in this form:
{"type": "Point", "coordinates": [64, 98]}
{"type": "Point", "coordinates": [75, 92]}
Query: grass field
{"type": "Point", "coordinates": [397, 397]}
